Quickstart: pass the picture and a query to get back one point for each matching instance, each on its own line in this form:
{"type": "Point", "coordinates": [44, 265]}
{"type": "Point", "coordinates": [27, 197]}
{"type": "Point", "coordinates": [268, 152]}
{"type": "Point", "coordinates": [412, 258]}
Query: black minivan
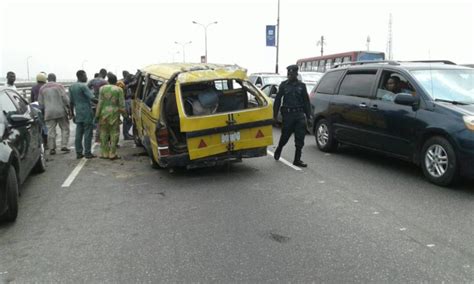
{"type": "Point", "coordinates": [420, 112]}
{"type": "Point", "coordinates": [21, 149]}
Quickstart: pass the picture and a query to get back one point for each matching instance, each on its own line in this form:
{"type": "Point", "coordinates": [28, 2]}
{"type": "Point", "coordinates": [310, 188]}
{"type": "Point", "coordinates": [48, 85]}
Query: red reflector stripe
{"type": "Point", "coordinates": [202, 144]}
{"type": "Point", "coordinates": [259, 134]}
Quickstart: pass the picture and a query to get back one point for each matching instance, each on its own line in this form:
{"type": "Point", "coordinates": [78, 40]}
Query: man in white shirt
{"type": "Point", "coordinates": [54, 100]}
{"type": "Point", "coordinates": [11, 77]}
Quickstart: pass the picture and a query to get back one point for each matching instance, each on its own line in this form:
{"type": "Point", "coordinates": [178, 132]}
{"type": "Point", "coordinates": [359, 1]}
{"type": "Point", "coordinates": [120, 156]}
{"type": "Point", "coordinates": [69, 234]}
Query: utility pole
{"type": "Point", "coordinates": [278, 37]}
{"type": "Point", "coordinates": [183, 44]}
{"type": "Point", "coordinates": [28, 67]}
{"type": "Point", "coordinates": [321, 43]}
{"type": "Point", "coordinates": [390, 40]}
{"type": "Point", "coordinates": [368, 43]}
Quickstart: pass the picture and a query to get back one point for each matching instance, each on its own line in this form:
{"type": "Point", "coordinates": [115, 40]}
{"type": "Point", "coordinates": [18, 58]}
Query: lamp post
{"type": "Point", "coordinates": [183, 44]}
{"type": "Point", "coordinates": [28, 66]}
{"type": "Point", "coordinates": [205, 36]}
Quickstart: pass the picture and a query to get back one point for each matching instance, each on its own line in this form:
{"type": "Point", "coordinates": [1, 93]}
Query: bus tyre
{"type": "Point", "coordinates": [324, 136]}
{"type": "Point", "coordinates": [439, 162]}
{"type": "Point", "coordinates": [12, 196]}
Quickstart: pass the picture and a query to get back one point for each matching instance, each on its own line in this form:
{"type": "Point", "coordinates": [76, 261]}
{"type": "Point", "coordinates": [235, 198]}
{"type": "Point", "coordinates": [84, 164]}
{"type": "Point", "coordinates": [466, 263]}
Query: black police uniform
{"type": "Point", "coordinates": [295, 110]}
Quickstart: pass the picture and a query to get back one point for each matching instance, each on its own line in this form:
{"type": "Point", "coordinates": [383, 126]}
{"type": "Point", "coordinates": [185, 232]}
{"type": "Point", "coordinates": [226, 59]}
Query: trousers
{"type": "Point", "coordinates": [84, 132]}
{"type": "Point", "coordinates": [64, 125]}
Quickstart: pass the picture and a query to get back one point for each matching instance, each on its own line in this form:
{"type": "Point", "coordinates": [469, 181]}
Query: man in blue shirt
{"type": "Point", "coordinates": [81, 109]}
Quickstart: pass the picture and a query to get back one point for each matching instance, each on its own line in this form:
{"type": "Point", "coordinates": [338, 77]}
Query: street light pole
{"type": "Point", "coordinates": [183, 44]}
{"type": "Point", "coordinates": [28, 66]}
{"type": "Point", "coordinates": [84, 61]}
{"type": "Point", "coordinates": [278, 37]}
{"type": "Point", "coordinates": [205, 36]}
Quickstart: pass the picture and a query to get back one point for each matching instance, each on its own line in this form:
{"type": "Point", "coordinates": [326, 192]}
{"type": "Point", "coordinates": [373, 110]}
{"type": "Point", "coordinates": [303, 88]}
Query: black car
{"type": "Point", "coordinates": [427, 119]}
{"type": "Point", "coordinates": [21, 149]}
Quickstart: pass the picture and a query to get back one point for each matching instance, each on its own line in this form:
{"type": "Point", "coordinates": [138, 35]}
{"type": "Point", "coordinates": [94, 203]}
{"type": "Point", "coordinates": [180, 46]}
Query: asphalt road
{"type": "Point", "coordinates": [352, 216]}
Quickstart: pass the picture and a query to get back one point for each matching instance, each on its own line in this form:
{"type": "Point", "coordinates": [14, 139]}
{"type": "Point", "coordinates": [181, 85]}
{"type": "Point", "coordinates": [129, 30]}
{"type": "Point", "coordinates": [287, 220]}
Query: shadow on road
{"type": "Point", "coordinates": [402, 167]}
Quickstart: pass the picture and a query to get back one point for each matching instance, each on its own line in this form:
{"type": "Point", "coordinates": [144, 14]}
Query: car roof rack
{"type": "Point", "coordinates": [431, 61]}
{"type": "Point", "coordinates": [390, 62]}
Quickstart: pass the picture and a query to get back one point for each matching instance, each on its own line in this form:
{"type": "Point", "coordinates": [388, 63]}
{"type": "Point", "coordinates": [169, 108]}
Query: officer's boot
{"type": "Point", "coordinates": [297, 161]}
{"type": "Point", "coordinates": [277, 153]}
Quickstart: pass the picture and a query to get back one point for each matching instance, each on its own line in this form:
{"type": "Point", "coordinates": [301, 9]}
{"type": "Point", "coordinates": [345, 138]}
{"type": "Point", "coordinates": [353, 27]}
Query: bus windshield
{"type": "Point", "coordinates": [365, 56]}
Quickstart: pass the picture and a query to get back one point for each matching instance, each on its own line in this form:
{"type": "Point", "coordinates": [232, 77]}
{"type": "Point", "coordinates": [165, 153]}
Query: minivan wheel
{"type": "Point", "coordinates": [324, 136]}
{"type": "Point", "coordinates": [439, 161]}
{"type": "Point", "coordinates": [12, 196]}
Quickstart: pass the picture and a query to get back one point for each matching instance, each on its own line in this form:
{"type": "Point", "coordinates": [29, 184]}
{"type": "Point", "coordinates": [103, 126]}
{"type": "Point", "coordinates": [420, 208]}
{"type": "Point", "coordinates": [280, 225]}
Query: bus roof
{"type": "Point", "coordinates": [337, 55]}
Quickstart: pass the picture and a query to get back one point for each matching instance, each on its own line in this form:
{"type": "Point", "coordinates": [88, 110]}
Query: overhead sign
{"type": "Point", "coordinates": [270, 35]}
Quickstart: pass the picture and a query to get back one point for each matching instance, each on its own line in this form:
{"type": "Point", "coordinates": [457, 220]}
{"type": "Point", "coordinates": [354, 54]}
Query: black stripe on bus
{"type": "Point", "coordinates": [229, 128]}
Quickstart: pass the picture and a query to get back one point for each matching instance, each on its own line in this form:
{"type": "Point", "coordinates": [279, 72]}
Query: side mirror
{"type": "Point", "coordinates": [406, 99]}
{"type": "Point", "coordinates": [17, 120]}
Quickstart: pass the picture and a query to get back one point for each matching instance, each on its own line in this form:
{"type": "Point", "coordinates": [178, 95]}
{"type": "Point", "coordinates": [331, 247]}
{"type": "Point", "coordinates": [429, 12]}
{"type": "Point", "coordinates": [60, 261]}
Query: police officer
{"type": "Point", "coordinates": [295, 111]}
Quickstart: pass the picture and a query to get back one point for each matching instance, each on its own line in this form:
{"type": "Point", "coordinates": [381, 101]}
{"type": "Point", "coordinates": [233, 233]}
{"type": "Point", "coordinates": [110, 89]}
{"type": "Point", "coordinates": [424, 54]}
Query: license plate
{"type": "Point", "coordinates": [230, 137]}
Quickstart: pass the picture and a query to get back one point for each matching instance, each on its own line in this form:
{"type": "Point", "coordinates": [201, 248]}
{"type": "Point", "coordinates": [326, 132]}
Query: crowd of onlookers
{"type": "Point", "coordinates": [96, 104]}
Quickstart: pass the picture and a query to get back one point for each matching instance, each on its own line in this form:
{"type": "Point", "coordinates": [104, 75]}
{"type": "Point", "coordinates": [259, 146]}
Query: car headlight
{"type": "Point", "coordinates": [469, 121]}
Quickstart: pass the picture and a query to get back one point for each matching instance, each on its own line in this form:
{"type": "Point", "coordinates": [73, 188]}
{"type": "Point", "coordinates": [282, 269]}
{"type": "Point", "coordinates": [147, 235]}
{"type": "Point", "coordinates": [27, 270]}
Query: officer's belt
{"type": "Point", "coordinates": [291, 109]}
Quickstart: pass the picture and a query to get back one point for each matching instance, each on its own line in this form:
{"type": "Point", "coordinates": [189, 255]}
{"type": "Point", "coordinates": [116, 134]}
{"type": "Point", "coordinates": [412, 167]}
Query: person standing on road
{"type": "Point", "coordinates": [40, 80]}
{"type": "Point", "coordinates": [11, 77]}
{"type": "Point", "coordinates": [95, 85]}
{"type": "Point", "coordinates": [296, 113]}
{"type": "Point", "coordinates": [55, 103]}
{"type": "Point", "coordinates": [111, 105]}
{"type": "Point", "coordinates": [81, 110]}
{"type": "Point", "coordinates": [127, 120]}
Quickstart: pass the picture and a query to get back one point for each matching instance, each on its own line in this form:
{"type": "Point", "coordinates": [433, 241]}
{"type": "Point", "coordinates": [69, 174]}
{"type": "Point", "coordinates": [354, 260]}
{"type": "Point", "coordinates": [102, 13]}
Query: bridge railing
{"type": "Point", "coordinates": [24, 88]}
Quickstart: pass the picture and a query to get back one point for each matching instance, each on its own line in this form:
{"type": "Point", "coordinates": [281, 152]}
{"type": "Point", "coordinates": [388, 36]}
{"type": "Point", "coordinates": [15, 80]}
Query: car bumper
{"type": "Point", "coordinates": [182, 160]}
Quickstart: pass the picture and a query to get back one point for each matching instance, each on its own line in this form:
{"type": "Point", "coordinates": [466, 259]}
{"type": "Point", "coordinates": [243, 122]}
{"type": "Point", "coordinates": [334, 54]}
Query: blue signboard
{"type": "Point", "coordinates": [270, 35]}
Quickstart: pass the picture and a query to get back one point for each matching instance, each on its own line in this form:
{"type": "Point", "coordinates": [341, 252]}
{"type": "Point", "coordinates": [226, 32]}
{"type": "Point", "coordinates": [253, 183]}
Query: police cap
{"type": "Point", "coordinates": [292, 67]}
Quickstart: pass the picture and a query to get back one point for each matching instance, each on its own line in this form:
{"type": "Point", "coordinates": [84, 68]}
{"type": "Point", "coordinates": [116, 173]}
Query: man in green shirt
{"type": "Point", "coordinates": [111, 105]}
{"type": "Point", "coordinates": [81, 109]}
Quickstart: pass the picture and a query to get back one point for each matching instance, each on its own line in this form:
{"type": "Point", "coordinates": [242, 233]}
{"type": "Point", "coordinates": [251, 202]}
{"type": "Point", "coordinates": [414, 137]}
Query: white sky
{"type": "Point", "coordinates": [61, 36]}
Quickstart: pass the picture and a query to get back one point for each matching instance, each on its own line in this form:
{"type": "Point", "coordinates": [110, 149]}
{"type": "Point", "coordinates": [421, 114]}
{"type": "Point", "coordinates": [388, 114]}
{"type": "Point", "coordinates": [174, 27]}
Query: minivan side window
{"type": "Point", "coordinates": [393, 83]}
{"type": "Point", "coordinates": [329, 82]}
{"type": "Point", "coordinates": [358, 83]}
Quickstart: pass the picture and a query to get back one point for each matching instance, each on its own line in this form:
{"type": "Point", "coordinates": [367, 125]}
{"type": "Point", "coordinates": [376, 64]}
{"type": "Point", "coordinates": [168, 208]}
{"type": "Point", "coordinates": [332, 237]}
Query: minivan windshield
{"type": "Point", "coordinates": [273, 80]}
{"type": "Point", "coordinates": [455, 85]}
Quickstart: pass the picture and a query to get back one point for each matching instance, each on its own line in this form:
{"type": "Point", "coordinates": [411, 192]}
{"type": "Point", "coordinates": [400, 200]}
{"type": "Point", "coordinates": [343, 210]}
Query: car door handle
{"type": "Point", "coordinates": [363, 105]}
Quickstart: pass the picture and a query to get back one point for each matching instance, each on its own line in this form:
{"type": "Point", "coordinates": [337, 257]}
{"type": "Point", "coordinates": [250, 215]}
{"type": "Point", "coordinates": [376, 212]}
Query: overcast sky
{"type": "Point", "coordinates": [62, 36]}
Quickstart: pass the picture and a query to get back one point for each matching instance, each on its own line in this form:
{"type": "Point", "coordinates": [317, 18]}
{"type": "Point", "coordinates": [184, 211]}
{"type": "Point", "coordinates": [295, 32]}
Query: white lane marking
{"type": "Point", "coordinates": [376, 213]}
{"type": "Point", "coordinates": [430, 245]}
{"type": "Point", "coordinates": [285, 162]}
{"type": "Point", "coordinates": [321, 181]}
{"type": "Point", "coordinates": [72, 176]}
{"type": "Point", "coordinates": [403, 229]}
{"type": "Point", "coordinates": [356, 201]}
